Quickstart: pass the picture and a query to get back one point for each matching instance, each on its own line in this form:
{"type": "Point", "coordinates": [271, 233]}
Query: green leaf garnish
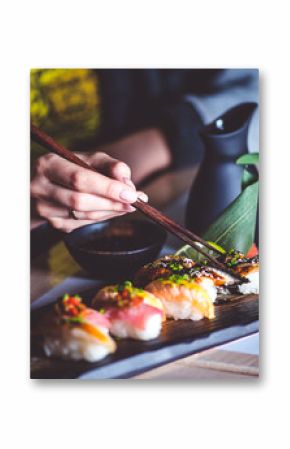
{"type": "Point", "coordinates": [235, 226]}
{"type": "Point", "coordinates": [248, 159]}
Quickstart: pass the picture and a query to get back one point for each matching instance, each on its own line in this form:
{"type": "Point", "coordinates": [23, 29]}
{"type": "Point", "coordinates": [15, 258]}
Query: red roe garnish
{"type": "Point", "coordinates": [71, 306]}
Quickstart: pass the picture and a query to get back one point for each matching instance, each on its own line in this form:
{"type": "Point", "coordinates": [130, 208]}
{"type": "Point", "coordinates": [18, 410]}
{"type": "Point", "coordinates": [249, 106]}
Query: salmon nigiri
{"type": "Point", "coordinates": [182, 297]}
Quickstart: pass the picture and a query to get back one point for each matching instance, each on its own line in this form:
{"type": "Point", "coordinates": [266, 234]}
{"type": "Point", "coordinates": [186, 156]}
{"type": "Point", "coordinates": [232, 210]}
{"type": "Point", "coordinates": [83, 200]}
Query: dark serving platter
{"type": "Point", "coordinates": [236, 318]}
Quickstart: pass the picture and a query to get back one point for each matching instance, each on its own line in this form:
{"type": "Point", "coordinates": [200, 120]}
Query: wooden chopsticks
{"type": "Point", "coordinates": [184, 234]}
{"type": "Point", "coordinates": [187, 236]}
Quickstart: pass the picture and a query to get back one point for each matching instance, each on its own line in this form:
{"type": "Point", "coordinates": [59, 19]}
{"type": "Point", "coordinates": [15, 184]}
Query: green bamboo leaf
{"type": "Point", "coordinates": [250, 175]}
{"type": "Point", "coordinates": [190, 252]}
{"type": "Point", "coordinates": [235, 227]}
{"type": "Point", "coordinates": [248, 159]}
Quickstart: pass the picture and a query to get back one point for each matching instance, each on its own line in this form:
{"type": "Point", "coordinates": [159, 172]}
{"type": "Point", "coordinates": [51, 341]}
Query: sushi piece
{"type": "Point", "coordinates": [251, 273]}
{"type": "Point", "coordinates": [213, 279]}
{"type": "Point", "coordinates": [247, 267]}
{"type": "Point", "coordinates": [183, 298]}
{"type": "Point", "coordinates": [132, 312]}
{"type": "Point", "coordinates": [74, 331]}
{"type": "Point", "coordinates": [167, 266]}
{"type": "Point", "coordinates": [223, 282]}
{"type": "Point", "coordinates": [164, 268]}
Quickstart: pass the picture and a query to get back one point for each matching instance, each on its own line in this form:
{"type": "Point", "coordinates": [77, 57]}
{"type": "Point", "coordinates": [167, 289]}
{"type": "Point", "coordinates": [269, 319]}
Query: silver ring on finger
{"type": "Point", "coordinates": [72, 214]}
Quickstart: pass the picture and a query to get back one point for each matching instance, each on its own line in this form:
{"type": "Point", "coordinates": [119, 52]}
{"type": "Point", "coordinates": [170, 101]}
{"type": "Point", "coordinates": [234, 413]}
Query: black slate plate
{"type": "Point", "coordinates": [235, 319]}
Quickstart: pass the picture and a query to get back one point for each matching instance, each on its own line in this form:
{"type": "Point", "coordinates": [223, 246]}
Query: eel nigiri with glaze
{"type": "Point", "coordinates": [132, 312]}
{"type": "Point", "coordinates": [211, 278]}
{"type": "Point", "coordinates": [247, 267]}
{"type": "Point", "coordinates": [170, 265]}
{"type": "Point", "coordinates": [74, 331]}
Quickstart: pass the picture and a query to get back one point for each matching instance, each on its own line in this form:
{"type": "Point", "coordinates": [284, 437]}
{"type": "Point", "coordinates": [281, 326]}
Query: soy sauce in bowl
{"type": "Point", "coordinates": [115, 249]}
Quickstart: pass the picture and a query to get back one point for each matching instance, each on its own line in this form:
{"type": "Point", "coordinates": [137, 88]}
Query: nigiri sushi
{"type": "Point", "coordinates": [247, 267]}
{"type": "Point", "coordinates": [170, 265]}
{"type": "Point", "coordinates": [183, 298]}
{"type": "Point", "coordinates": [74, 331]}
{"type": "Point", "coordinates": [211, 278]}
{"type": "Point", "coordinates": [164, 268]}
{"type": "Point", "coordinates": [132, 312]}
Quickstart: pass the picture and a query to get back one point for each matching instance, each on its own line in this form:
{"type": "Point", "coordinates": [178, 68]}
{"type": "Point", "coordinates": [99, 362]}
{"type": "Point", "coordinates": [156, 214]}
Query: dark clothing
{"type": "Point", "coordinates": [136, 99]}
{"type": "Point", "coordinates": [85, 108]}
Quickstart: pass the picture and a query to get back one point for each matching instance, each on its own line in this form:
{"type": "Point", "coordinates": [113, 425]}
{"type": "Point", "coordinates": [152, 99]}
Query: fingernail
{"type": "Point", "coordinates": [143, 196]}
{"type": "Point", "coordinates": [128, 208]}
{"type": "Point", "coordinates": [128, 195]}
{"type": "Point", "coordinates": [129, 182]}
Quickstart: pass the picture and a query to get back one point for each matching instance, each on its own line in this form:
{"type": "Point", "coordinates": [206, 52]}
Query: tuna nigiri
{"type": "Point", "coordinates": [132, 312]}
{"type": "Point", "coordinates": [74, 331]}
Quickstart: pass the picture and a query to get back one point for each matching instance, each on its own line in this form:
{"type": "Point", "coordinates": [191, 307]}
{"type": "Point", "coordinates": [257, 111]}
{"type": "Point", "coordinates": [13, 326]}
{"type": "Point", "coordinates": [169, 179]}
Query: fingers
{"type": "Point", "coordinates": [50, 210]}
{"type": "Point", "coordinates": [60, 186]}
{"type": "Point", "coordinates": [111, 167]}
{"type": "Point", "coordinates": [69, 224]}
{"type": "Point", "coordinates": [71, 176]}
{"type": "Point", "coordinates": [59, 217]}
{"type": "Point", "coordinates": [142, 196]}
{"type": "Point", "coordinates": [99, 215]}
{"type": "Point", "coordinates": [84, 202]}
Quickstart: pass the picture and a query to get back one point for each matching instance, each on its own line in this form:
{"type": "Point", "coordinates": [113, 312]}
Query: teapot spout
{"type": "Point", "coordinates": [226, 137]}
{"type": "Point", "coordinates": [232, 121]}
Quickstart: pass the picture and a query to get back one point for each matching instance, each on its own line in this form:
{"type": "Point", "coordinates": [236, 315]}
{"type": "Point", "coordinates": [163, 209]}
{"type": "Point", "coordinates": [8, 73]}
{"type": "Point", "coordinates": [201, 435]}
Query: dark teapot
{"type": "Point", "coordinates": [218, 181]}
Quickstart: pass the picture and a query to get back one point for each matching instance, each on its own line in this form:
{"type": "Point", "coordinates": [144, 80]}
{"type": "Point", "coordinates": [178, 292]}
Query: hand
{"type": "Point", "coordinates": [60, 186]}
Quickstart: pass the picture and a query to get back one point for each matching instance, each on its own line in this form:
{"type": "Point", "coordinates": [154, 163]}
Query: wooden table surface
{"type": "Point", "coordinates": [53, 267]}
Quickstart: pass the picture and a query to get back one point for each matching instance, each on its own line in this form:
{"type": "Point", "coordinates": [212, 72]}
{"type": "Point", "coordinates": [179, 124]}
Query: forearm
{"type": "Point", "coordinates": [145, 152]}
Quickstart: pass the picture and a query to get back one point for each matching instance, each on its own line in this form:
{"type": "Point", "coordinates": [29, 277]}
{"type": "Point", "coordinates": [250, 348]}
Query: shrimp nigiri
{"type": "Point", "coordinates": [76, 332]}
{"type": "Point", "coordinates": [132, 312]}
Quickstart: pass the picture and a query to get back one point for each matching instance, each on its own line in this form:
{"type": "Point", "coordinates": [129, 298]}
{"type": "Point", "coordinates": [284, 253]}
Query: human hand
{"type": "Point", "coordinates": [69, 196]}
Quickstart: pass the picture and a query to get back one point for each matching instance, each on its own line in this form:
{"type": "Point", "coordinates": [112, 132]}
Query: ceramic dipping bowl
{"type": "Point", "coordinates": [115, 249]}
